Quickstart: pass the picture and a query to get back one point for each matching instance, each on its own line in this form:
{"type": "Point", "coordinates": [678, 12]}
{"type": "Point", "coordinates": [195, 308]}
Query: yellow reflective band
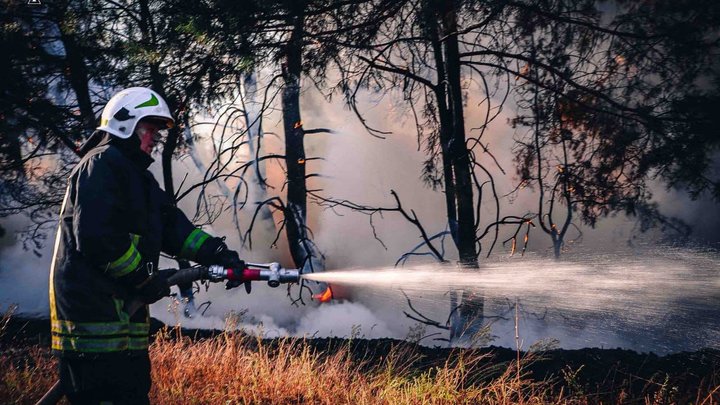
{"type": "Point", "coordinates": [89, 345]}
{"type": "Point", "coordinates": [58, 237]}
{"type": "Point", "coordinates": [90, 328]}
{"type": "Point", "coordinates": [138, 343]}
{"type": "Point", "coordinates": [126, 263]}
{"type": "Point", "coordinates": [192, 244]}
{"type": "Point", "coordinates": [139, 328]}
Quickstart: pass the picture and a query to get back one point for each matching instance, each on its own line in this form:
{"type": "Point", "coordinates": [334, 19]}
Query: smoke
{"type": "Point", "coordinates": [362, 169]}
{"type": "Point", "coordinates": [23, 275]}
{"type": "Point", "coordinates": [344, 320]}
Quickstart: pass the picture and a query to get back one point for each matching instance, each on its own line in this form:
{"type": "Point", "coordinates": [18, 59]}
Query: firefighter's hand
{"type": "Point", "coordinates": [236, 283]}
{"type": "Point", "coordinates": [153, 288]}
{"type": "Point", "coordinates": [215, 251]}
{"type": "Point", "coordinates": [228, 258]}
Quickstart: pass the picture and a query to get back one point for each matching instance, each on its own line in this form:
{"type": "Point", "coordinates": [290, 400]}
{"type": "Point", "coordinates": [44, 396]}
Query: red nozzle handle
{"type": "Point", "coordinates": [244, 275]}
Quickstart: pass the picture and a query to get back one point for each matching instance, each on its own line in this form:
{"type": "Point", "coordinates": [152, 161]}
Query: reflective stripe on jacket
{"type": "Point", "coordinates": [113, 218]}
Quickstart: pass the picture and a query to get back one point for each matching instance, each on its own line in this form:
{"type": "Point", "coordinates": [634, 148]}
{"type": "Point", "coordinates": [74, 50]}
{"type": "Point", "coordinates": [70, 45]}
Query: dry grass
{"type": "Point", "coordinates": [236, 369]}
{"type": "Point", "coordinates": [26, 374]}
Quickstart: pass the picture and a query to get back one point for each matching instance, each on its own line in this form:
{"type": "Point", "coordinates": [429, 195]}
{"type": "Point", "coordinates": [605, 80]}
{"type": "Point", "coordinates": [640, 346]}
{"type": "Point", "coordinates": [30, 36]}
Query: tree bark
{"type": "Point", "coordinates": [302, 249]}
{"type": "Point", "coordinates": [470, 319]}
{"type": "Point", "coordinates": [458, 150]}
{"type": "Point", "coordinates": [445, 119]}
{"type": "Point", "coordinates": [296, 206]}
{"type": "Point", "coordinates": [467, 308]}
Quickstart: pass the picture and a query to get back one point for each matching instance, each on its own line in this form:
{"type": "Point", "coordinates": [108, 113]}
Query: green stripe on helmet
{"type": "Point", "coordinates": [150, 103]}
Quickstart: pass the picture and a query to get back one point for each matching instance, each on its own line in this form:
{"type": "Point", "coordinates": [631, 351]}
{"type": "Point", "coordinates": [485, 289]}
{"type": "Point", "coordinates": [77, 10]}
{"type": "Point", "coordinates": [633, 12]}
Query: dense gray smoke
{"type": "Point", "coordinates": [364, 169]}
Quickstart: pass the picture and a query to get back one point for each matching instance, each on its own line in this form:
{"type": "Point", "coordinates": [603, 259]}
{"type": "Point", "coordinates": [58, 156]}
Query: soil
{"type": "Point", "coordinates": [600, 375]}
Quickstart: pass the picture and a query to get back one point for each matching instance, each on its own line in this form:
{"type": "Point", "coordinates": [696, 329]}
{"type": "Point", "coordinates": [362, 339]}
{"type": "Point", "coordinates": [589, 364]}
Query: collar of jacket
{"type": "Point", "coordinates": [130, 147]}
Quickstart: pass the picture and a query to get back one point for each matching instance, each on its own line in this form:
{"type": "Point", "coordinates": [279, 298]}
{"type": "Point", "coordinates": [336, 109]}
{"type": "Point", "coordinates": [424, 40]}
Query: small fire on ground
{"type": "Point", "coordinates": [324, 296]}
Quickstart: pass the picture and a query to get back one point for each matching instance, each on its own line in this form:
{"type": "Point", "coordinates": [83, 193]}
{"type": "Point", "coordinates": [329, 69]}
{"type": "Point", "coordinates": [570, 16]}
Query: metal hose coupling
{"type": "Point", "coordinates": [276, 275]}
{"type": "Point", "coordinates": [216, 273]}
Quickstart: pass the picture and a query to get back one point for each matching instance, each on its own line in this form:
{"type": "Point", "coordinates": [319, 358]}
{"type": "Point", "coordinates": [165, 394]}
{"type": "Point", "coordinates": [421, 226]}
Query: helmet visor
{"type": "Point", "coordinates": [161, 122]}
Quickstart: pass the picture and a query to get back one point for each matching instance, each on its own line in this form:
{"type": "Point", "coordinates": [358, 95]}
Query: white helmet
{"type": "Point", "coordinates": [122, 113]}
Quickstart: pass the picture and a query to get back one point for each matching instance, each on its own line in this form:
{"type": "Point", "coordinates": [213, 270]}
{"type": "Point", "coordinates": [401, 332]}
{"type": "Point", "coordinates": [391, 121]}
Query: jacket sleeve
{"type": "Point", "coordinates": [180, 237]}
{"type": "Point", "coordinates": [101, 234]}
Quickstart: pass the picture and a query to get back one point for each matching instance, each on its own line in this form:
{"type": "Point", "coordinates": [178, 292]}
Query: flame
{"type": "Point", "coordinates": [301, 161]}
{"type": "Point", "coordinates": [325, 296]}
{"type": "Point", "coordinates": [297, 124]}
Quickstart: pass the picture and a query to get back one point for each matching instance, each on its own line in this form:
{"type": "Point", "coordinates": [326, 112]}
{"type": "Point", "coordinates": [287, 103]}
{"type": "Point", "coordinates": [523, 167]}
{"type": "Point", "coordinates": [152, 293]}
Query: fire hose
{"type": "Point", "coordinates": [273, 273]}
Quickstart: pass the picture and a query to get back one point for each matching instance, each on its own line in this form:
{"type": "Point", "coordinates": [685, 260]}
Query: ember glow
{"type": "Point", "coordinates": [325, 296]}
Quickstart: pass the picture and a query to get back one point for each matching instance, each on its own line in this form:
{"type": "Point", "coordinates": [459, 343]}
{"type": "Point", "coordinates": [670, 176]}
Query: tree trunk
{"type": "Point", "coordinates": [470, 319]}
{"type": "Point", "coordinates": [557, 246]}
{"type": "Point", "coordinates": [467, 308]}
{"type": "Point", "coordinates": [458, 150]}
{"type": "Point", "coordinates": [304, 253]}
{"type": "Point", "coordinates": [296, 206]}
{"type": "Point", "coordinates": [445, 118]}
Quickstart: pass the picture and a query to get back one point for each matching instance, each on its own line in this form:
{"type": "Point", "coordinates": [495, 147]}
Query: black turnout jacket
{"type": "Point", "coordinates": [114, 222]}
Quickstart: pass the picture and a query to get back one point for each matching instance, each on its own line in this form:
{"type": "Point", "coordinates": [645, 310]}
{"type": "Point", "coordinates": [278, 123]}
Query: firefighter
{"type": "Point", "coordinates": [114, 222]}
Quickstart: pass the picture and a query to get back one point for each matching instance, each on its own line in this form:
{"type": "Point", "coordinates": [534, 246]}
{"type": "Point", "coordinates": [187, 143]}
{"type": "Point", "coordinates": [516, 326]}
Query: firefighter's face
{"type": "Point", "coordinates": [149, 134]}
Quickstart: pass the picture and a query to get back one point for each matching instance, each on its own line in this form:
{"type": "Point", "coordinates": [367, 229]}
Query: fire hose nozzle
{"type": "Point", "coordinates": [273, 273]}
{"type": "Point", "coordinates": [276, 275]}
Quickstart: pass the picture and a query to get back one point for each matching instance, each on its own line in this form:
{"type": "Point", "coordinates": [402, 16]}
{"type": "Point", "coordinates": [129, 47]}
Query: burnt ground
{"type": "Point", "coordinates": [600, 375]}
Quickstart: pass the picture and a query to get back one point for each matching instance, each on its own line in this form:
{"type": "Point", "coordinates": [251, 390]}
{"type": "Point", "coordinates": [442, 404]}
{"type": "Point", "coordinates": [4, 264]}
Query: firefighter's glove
{"type": "Point", "coordinates": [236, 283]}
{"type": "Point", "coordinates": [229, 259]}
{"type": "Point", "coordinates": [153, 288]}
{"type": "Point", "coordinates": [215, 251]}
{"type": "Point", "coordinates": [232, 284]}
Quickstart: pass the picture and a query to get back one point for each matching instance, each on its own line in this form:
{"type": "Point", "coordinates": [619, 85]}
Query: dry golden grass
{"type": "Point", "coordinates": [26, 374]}
{"type": "Point", "coordinates": [236, 369]}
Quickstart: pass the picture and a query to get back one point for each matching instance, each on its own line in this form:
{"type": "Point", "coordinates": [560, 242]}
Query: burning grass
{"type": "Point", "coordinates": [235, 368]}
